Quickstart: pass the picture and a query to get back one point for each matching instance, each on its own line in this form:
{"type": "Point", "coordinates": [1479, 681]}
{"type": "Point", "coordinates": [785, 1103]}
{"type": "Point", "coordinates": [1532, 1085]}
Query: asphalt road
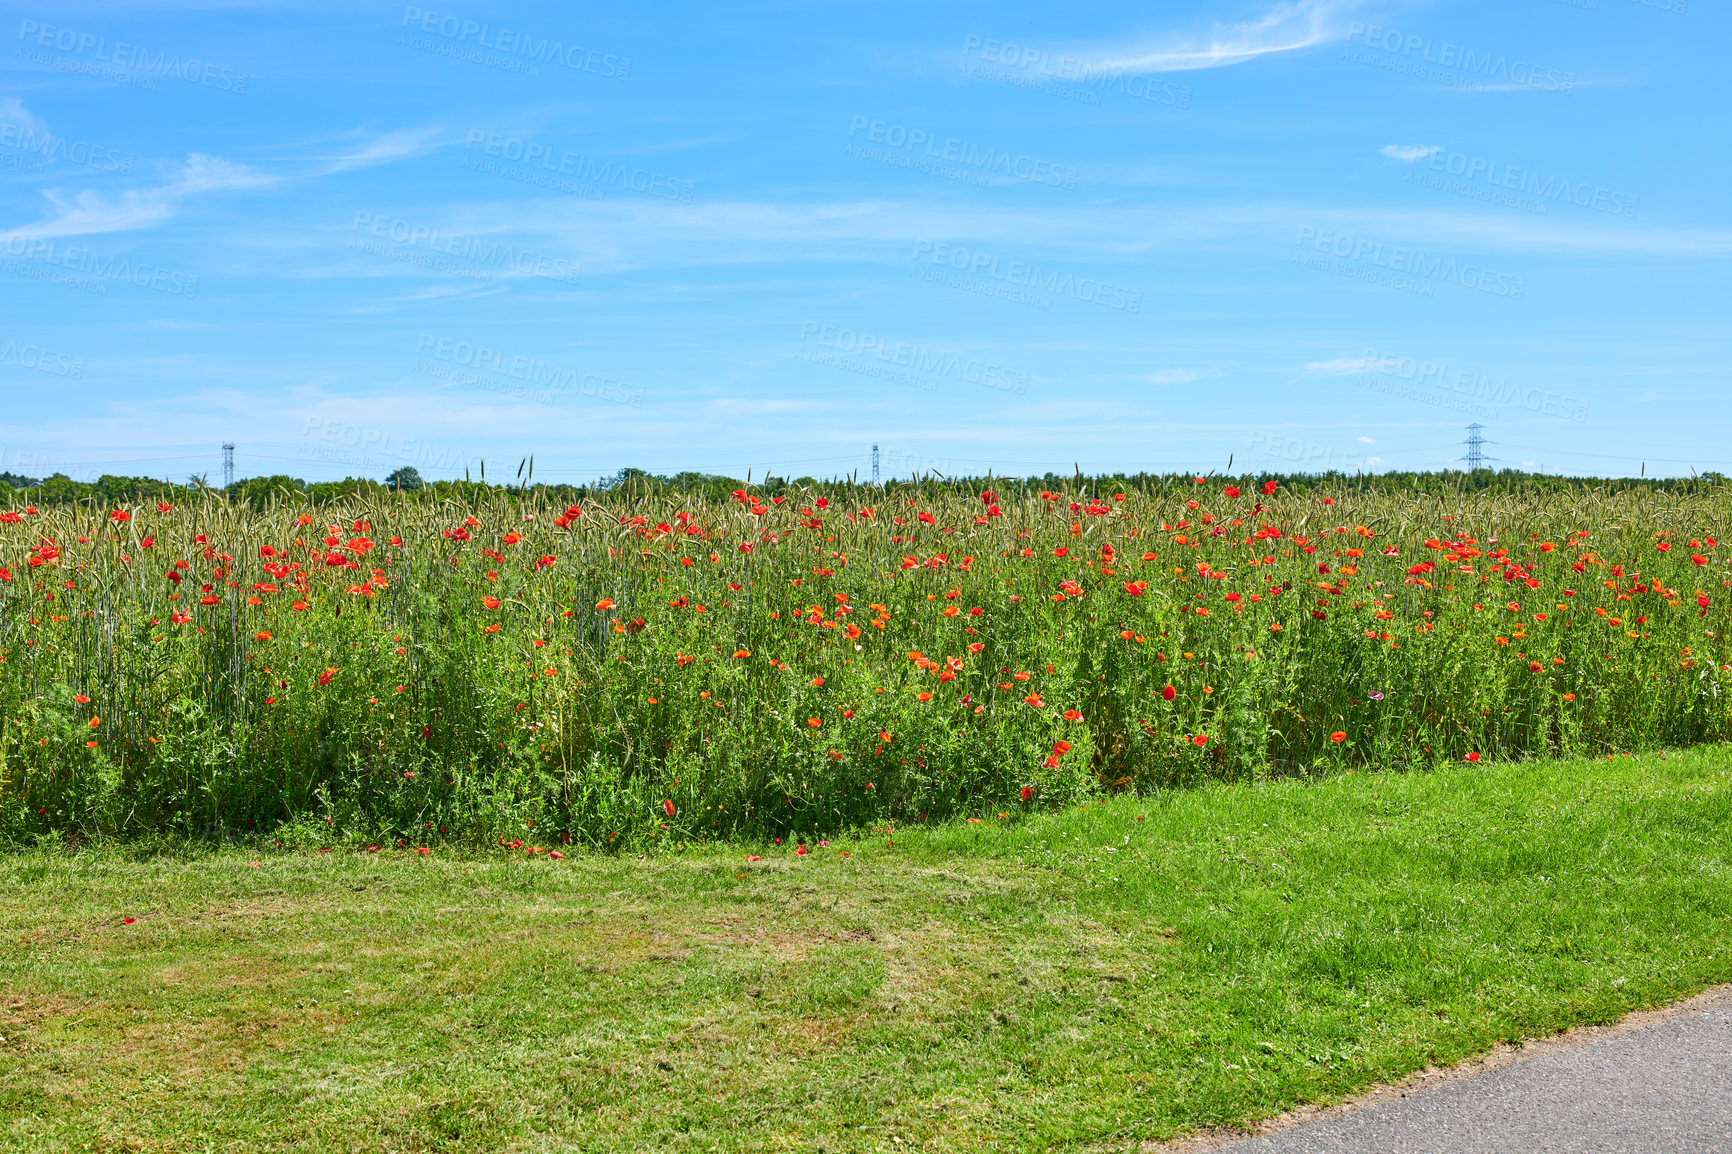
{"type": "Point", "coordinates": [1665, 1087]}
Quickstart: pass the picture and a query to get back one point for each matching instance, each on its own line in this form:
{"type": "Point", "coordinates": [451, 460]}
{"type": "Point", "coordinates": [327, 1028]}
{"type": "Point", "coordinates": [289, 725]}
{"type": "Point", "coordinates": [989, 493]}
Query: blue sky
{"type": "Point", "coordinates": [353, 236]}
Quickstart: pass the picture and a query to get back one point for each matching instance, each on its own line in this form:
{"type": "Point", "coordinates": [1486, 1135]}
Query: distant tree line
{"type": "Point", "coordinates": [259, 492]}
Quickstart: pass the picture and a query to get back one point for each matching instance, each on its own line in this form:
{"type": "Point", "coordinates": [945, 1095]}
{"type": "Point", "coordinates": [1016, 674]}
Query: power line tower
{"type": "Point", "coordinates": [874, 464]}
{"type": "Point", "coordinates": [228, 463]}
{"type": "Point", "coordinates": [1476, 443]}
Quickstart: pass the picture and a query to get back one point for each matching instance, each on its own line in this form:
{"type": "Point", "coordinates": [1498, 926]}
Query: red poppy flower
{"type": "Point", "coordinates": [1338, 737]}
{"type": "Point", "coordinates": [1027, 792]}
{"type": "Point", "coordinates": [1072, 715]}
{"type": "Point", "coordinates": [1472, 757]}
{"type": "Point", "coordinates": [325, 677]}
{"type": "Point", "coordinates": [1169, 693]}
{"type": "Point", "coordinates": [668, 806]}
{"type": "Point", "coordinates": [1200, 740]}
{"type": "Point", "coordinates": [81, 699]}
{"type": "Point", "coordinates": [814, 722]}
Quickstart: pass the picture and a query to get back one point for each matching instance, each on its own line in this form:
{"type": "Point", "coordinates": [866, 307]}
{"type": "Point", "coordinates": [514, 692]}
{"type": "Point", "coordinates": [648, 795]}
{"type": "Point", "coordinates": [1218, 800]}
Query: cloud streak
{"type": "Point", "coordinates": [1339, 367]}
{"type": "Point", "coordinates": [88, 212]}
{"type": "Point", "coordinates": [1284, 27]}
{"type": "Point", "coordinates": [1409, 152]}
{"type": "Point", "coordinates": [12, 111]}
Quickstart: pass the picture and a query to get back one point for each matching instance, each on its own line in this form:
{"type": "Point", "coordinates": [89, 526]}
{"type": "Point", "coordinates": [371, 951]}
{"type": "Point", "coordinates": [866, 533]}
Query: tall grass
{"type": "Point", "coordinates": [442, 667]}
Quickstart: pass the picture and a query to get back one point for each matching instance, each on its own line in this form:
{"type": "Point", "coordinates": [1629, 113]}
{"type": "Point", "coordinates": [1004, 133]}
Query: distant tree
{"type": "Point", "coordinates": [60, 487]}
{"type": "Point", "coordinates": [18, 481]}
{"type": "Point", "coordinates": [625, 477]}
{"type": "Point", "coordinates": [407, 479]}
{"type": "Point", "coordinates": [258, 492]}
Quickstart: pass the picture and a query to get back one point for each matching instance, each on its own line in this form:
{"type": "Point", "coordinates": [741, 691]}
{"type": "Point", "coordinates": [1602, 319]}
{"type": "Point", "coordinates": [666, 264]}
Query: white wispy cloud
{"type": "Point", "coordinates": [1181, 376]}
{"type": "Point", "coordinates": [360, 151]}
{"type": "Point", "coordinates": [12, 111]}
{"type": "Point", "coordinates": [1284, 27]}
{"type": "Point", "coordinates": [1409, 152]}
{"type": "Point", "coordinates": [90, 212]}
{"type": "Point", "coordinates": [1339, 367]}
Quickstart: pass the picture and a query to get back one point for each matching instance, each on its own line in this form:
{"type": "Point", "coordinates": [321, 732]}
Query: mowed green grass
{"type": "Point", "coordinates": [1086, 980]}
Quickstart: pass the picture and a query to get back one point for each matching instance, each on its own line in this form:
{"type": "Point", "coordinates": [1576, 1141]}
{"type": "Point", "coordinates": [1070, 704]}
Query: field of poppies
{"type": "Point", "coordinates": [656, 670]}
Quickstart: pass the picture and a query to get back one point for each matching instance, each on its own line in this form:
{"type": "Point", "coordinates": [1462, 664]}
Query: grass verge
{"type": "Point", "coordinates": [1085, 980]}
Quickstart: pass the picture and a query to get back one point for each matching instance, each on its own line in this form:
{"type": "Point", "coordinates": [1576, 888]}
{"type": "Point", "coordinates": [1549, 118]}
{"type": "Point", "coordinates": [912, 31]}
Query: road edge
{"type": "Point", "coordinates": [1504, 1054]}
